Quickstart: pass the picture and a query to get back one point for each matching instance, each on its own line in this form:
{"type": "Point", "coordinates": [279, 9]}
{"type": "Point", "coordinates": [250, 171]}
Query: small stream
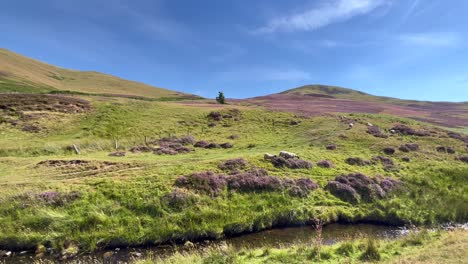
{"type": "Point", "coordinates": [274, 238]}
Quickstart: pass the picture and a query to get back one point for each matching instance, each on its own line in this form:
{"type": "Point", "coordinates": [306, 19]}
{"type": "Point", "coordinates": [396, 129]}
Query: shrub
{"type": "Point", "coordinates": [343, 191]}
{"type": "Point", "coordinates": [281, 162]}
{"type": "Point", "coordinates": [386, 162]}
{"type": "Point", "coordinates": [201, 144]}
{"type": "Point", "coordinates": [302, 187]}
{"type": "Point", "coordinates": [375, 131]}
{"type": "Point", "coordinates": [403, 148]}
{"type": "Point", "coordinates": [226, 145]}
{"type": "Point", "coordinates": [331, 147]}
{"type": "Point", "coordinates": [389, 151]}
{"type": "Point", "coordinates": [206, 182]}
{"type": "Point", "coordinates": [406, 130]}
{"type": "Point", "coordinates": [463, 158]}
{"type": "Point", "coordinates": [165, 151]}
{"type": "Point", "coordinates": [233, 164]}
{"type": "Point", "coordinates": [354, 186]}
{"type": "Point", "coordinates": [212, 146]}
{"type": "Point", "coordinates": [325, 164]}
{"type": "Point", "coordinates": [187, 140]}
{"type": "Point", "coordinates": [406, 159]}
{"type": "Point", "coordinates": [450, 150]}
{"type": "Point", "coordinates": [441, 149]}
{"type": "Point", "coordinates": [357, 161]}
{"type": "Point", "coordinates": [216, 116]}
{"type": "Point", "coordinates": [246, 182]}
{"type": "Point", "coordinates": [409, 147]}
{"type": "Point", "coordinates": [412, 146]}
{"type": "Point", "coordinates": [139, 149]}
{"type": "Point", "coordinates": [172, 149]}
{"type": "Point", "coordinates": [298, 164]}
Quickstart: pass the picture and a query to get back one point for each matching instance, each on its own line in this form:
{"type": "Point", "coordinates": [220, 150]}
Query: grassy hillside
{"type": "Point", "coordinates": [420, 247]}
{"type": "Point", "coordinates": [22, 74]}
{"type": "Point", "coordinates": [327, 91]}
{"type": "Point", "coordinates": [52, 196]}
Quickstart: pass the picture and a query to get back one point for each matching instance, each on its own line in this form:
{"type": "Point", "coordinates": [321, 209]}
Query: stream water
{"type": "Point", "coordinates": [280, 237]}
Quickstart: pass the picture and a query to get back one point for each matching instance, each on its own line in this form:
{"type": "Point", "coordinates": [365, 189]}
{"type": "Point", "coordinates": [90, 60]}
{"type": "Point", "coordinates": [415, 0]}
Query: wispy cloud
{"type": "Point", "coordinates": [322, 15]}
{"type": "Point", "coordinates": [433, 39]}
{"type": "Point", "coordinates": [411, 9]}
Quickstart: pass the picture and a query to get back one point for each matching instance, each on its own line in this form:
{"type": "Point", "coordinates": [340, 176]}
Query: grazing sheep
{"type": "Point", "coordinates": [288, 155]}
{"type": "Point", "coordinates": [351, 125]}
{"type": "Point", "coordinates": [268, 156]}
{"type": "Point", "coordinates": [369, 124]}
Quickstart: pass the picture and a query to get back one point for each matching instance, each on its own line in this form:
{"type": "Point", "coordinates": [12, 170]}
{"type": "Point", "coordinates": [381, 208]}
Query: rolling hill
{"type": "Point", "coordinates": [25, 75]}
{"type": "Point", "coordinates": [321, 99]}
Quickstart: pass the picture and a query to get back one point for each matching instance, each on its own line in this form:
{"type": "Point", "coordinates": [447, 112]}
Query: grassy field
{"type": "Point", "coordinates": [49, 198]}
{"type": "Point", "coordinates": [418, 247]}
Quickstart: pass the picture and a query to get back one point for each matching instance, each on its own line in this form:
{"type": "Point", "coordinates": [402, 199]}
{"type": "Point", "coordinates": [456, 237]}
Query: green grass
{"type": "Point", "coordinates": [126, 206]}
{"type": "Point", "coordinates": [43, 77]}
{"type": "Point", "coordinates": [431, 247]}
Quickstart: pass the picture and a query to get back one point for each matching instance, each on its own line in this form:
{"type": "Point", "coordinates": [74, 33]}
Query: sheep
{"type": "Point", "coordinates": [288, 155]}
{"type": "Point", "coordinates": [268, 156]}
{"type": "Point", "coordinates": [351, 125]}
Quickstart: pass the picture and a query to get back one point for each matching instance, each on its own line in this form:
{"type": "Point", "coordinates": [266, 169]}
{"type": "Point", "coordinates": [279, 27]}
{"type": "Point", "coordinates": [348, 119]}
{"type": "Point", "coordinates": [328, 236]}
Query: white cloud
{"type": "Point", "coordinates": [438, 39]}
{"type": "Point", "coordinates": [320, 16]}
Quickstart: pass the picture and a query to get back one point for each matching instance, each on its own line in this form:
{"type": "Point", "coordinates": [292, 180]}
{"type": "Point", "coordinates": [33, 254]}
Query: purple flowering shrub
{"type": "Point", "coordinates": [358, 187]}
{"type": "Point", "coordinates": [206, 182]}
{"type": "Point", "coordinates": [325, 164]}
{"type": "Point", "coordinates": [281, 162]}
{"type": "Point", "coordinates": [256, 180]}
{"type": "Point", "coordinates": [233, 164]}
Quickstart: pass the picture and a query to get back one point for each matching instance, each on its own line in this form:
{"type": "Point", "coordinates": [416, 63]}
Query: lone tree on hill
{"type": "Point", "coordinates": [220, 99]}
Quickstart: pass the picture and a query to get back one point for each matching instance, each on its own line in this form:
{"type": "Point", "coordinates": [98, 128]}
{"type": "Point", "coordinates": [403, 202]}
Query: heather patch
{"type": "Point", "coordinates": [331, 147]}
{"type": "Point", "coordinates": [409, 147]}
{"type": "Point", "coordinates": [325, 164]}
{"type": "Point", "coordinates": [386, 162]}
{"type": "Point", "coordinates": [357, 161]}
{"type": "Point", "coordinates": [463, 158]}
{"type": "Point", "coordinates": [141, 149]}
{"type": "Point", "coordinates": [256, 180]}
{"type": "Point", "coordinates": [376, 132]}
{"type": "Point", "coordinates": [358, 187]}
{"type": "Point", "coordinates": [389, 151]}
{"type": "Point", "coordinates": [281, 162]}
{"type": "Point", "coordinates": [205, 182]}
{"type": "Point", "coordinates": [233, 164]}
{"type": "Point", "coordinates": [172, 149]}
{"type": "Point", "coordinates": [406, 130]}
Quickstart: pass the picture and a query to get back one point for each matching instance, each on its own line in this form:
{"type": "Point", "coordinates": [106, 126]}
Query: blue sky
{"type": "Point", "coordinates": [412, 49]}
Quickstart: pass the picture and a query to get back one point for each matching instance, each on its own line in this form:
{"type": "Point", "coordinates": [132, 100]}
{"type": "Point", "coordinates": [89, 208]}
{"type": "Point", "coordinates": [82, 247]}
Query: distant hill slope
{"type": "Point", "coordinates": [321, 99]}
{"type": "Point", "coordinates": [22, 74]}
